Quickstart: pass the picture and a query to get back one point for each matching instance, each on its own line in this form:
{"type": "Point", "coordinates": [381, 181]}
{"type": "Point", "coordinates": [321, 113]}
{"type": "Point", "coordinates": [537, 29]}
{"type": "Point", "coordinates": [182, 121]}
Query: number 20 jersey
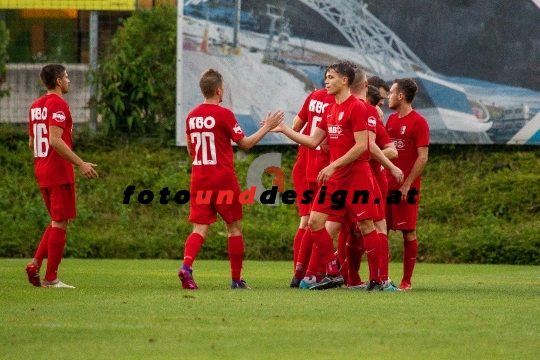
{"type": "Point", "coordinates": [51, 168]}
{"type": "Point", "coordinates": [210, 129]}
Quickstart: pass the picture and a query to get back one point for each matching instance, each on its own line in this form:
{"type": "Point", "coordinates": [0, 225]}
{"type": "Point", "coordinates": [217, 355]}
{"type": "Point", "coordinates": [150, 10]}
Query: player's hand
{"type": "Point", "coordinates": [398, 174]}
{"type": "Point", "coordinates": [273, 120]}
{"type": "Point", "coordinates": [404, 189]}
{"type": "Point", "coordinates": [87, 170]}
{"type": "Point", "coordinates": [325, 174]}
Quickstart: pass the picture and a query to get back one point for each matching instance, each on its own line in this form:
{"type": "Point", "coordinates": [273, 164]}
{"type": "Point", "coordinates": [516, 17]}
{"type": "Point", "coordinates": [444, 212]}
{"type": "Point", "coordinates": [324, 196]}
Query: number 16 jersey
{"type": "Point", "coordinates": [210, 129]}
{"type": "Point", "coordinates": [51, 168]}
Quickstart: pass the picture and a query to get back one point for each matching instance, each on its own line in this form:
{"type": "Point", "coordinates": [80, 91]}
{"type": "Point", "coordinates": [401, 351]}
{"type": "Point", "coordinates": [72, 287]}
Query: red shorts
{"type": "Point", "coordinates": [402, 216]}
{"type": "Point", "coordinates": [206, 214]}
{"type": "Point", "coordinates": [378, 198]}
{"type": "Point", "coordinates": [60, 201]}
{"type": "Point", "coordinates": [383, 186]}
{"type": "Point", "coordinates": [353, 207]}
{"type": "Point", "coordinates": [300, 185]}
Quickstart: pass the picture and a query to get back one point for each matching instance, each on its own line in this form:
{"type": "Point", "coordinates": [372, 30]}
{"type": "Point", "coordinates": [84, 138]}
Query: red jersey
{"type": "Point", "coordinates": [311, 113]}
{"type": "Point", "coordinates": [408, 134]}
{"type": "Point", "coordinates": [210, 129]}
{"type": "Point", "coordinates": [381, 140]}
{"type": "Point", "coordinates": [50, 167]}
{"type": "Point", "coordinates": [340, 122]}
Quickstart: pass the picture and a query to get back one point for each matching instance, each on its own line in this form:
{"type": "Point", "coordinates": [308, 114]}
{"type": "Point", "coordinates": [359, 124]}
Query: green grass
{"type": "Point", "coordinates": [136, 309]}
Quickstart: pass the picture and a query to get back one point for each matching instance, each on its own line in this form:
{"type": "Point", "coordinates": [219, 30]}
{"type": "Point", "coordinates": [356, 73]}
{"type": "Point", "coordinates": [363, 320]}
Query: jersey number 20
{"type": "Point", "coordinates": [205, 148]}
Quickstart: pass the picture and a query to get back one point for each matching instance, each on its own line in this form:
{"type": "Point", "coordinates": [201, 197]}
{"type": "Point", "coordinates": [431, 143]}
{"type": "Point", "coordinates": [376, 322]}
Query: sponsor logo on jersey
{"type": "Point", "coordinates": [372, 121]}
{"type": "Point", "coordinates": [237, 129]}
{"type": "Point", "coordinates": [334, 129]}
{"type": "Point", "coordinates": [59, 116]}
{"type": "Point", "coordinates": [398, 143]}
{"type": "Point", "coordinates": [402, 131]}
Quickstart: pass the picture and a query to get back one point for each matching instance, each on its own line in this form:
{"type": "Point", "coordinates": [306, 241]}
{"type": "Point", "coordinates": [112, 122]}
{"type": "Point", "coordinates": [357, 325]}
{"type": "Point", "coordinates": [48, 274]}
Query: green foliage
{"type": "Point", "coordinates": [136, 79]}
{"type": "Point", "coordinates": [4, 41]}
{"type": "Point", "coordinates": [478, 205]}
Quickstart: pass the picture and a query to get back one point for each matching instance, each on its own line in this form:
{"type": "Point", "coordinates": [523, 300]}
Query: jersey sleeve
{"type": "Point", "coordinates": [382, 138]}
{"type": "Point", "coordinates": [422, 132]}
{"type": "Point", "coordinates": [303, 113]}
{"type": "Point", "coordinates": [372, 116]}
{"type": "Point", "coordinates": [232, 127]}
{"type": "Point", "coordinates": [57, 114]}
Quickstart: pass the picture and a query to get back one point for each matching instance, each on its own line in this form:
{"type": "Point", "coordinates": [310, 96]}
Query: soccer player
{"type": "Point", "coordinates": [410, 133]}
{"type": "Point", "coordinates": [214, 187]}
{"type": "Point", "coordinates": [345, 125]}
{"type": "Point", "coordinates": [378, 140]}
{"type": "Point", "coordinates": [382, 86]}
{"type": "Point", "coordinates": [50, 129]}
{"type": "Point", "coordinates": [305, 179]}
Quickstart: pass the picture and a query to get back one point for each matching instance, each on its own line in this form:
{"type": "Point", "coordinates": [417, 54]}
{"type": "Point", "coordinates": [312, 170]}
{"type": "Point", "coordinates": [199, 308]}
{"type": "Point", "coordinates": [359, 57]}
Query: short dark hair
{"type": "Point", "coordinates": [373, 95]}
{"type": "Point", "coordinates": [378, 82]}
{"type": "Point", "coordinates": [359, 78]}
{"type": "Point", "coordinates": [211, 80]}
{"type": "Point", "coordinates": [50, 73]}
{"type": "Point", "coordinates": [345, 69]}
{"type": "Point", "coordinates": [408, 87]}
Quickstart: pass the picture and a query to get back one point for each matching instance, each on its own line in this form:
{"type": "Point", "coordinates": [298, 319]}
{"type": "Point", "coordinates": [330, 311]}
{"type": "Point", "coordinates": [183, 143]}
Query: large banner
{"type": "Point", "coordinates": [462, 50]}
{"type": "Point", "coordinates": [120, 5]}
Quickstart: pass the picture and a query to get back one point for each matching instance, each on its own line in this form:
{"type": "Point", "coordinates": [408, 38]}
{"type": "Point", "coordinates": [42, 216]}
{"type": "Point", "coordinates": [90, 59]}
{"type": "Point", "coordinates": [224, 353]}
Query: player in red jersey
{"type": "Point", "coordinates": [214, 187]}
{"type": "Point", "coordinates": [315, 160]}
{"type": "Point", "coordinates": [410, 133]}
{"type": "Point", "coordinates": [347, 179]}
{"type": "Point", "coordinates": [350, 247]}
{"type": "Point", "coordinates": [382, 86]}
{"type": "Point", "coordinates": [50, 129]}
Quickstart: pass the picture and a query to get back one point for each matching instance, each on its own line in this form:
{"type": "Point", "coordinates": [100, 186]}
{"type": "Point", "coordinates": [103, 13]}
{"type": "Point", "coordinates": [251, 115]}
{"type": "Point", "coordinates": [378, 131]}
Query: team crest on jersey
{"type": "Point", "coordinates": [403, 130]}
{"type": "Point", "coordinates": [59, 116]}
{"type": "Point", "coordinates": [237, 129]}
{"type": "Point", "coordinates": [340, 116]}
{"type": "Point", "coordinates": [372, 121]}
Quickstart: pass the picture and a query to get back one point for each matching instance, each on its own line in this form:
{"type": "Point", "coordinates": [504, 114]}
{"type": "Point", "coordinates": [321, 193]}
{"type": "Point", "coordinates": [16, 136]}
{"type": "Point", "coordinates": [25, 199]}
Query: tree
{"type": "Point", "coordinates": [136, 79]}
{"type": "Point", "coordinates": [4, 40]}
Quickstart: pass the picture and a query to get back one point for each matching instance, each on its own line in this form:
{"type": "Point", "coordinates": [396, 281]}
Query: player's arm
{"type": "Point", "coordinates": [55, 140]}
{"type": "Point", "coordinates": [416, 170]}
{"type": "Point", "coordinates": [378, 155]}
{"type": "Point", "coordinates": [389, 150]}
{"type": "Point", "coordinates": [360, 147]}
{"type": "Point", "coordinates": [271, 121]}
{"type": "Point", "coordinates": [188, 144]}
{"type": "Point", "coordinates": [310, 141]}
{"type": "Point", "coordinates": [297, 124]}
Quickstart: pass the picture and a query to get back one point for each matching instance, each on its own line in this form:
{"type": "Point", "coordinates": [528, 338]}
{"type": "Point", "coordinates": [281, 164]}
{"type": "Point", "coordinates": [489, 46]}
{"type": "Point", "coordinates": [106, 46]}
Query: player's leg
{"type": "Point", "coordinates": [235, 248]}
{"type": "Point", "coordinates": [297, 248]}
{"type": "Point", "coordinates": [62, 210]}
{"type": "Point", "coordinates": [373, 252]}
{"type": "Point", "coordinates": [191, 249]}
{"type": "Point", "coordinates": [410, 252]}
{"type": "Point", "coordinates": [325, 247]}
{"type": "Point", "coordinates": [32, 269]}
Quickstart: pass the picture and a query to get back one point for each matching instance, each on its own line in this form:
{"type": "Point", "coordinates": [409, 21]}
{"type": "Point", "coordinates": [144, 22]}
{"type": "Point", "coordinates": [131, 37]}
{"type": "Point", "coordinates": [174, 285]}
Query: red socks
{"type": "Point", "coordinates": [296, 245]}
{"type": "Point", "coordinates": [325, 246]}
{"type": "Point", "coordinates": [41, 251]}
{"type": "Point", "coordinates": [55, 250]}
{"type": "Point", "coordinates": [355, 250]}
{"type": "Point", "coordinates": [236, 255]}
{"type": "Point", "coordinates": [385, 256]}
{"type": "Point", "coordinates": [192, 247]}
{"type": "Point", "coordinates": [409, 259]}
{"type": "Point", "coordinates": [373, 252]}
{"type": "Point", "coordinates": [304, 255]}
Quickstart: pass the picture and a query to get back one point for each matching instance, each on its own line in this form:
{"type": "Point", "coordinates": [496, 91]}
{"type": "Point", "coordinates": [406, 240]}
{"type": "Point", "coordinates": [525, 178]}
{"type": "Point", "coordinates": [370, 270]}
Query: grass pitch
{"type": "Point", "coordinates": [136, 309]}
